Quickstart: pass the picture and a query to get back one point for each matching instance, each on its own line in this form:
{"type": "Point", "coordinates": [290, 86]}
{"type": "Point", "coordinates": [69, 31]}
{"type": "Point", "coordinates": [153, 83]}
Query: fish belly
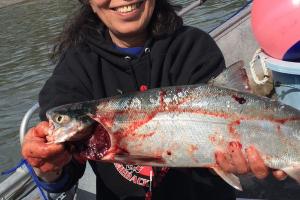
{"type": "Point", "coordinates": [191, 140]}
{"type": "Point", "coordinates": [178, 139]}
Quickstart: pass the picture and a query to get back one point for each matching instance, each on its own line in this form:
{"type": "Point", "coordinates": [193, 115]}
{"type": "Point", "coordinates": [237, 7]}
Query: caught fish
{"type": "Point", "coordinates": [183, 126]}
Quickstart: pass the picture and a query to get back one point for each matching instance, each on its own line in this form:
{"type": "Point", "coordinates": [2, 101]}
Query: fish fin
{"type": "Point", "coordinates": [293, 172]}
{"type": "Point", "coordinates": [234, 77]}
{"type": "Point", "coordinates": [229, 178]}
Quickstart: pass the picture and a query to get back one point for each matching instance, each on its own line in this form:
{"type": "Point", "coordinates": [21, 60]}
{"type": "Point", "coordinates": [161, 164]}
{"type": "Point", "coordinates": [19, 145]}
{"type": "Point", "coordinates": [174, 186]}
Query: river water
{"type": "Point", "coordinates": [26, 32]}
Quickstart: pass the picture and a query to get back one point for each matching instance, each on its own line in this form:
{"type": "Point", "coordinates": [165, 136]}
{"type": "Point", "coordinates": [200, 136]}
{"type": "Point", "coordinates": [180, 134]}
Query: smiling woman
{"type": "Point", "coordinates": [142, 19]}
{"type": "Point", "coordinates": [126, 20]}
{"type": "Point", "coordinates": [125, 45]}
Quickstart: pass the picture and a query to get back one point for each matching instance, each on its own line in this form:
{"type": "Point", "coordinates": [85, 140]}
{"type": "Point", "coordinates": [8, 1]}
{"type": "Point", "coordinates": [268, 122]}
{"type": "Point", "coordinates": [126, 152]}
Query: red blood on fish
{"type": "Point", "coordinates": [232, 129]}
{"type": "Point", "coordinates": [97, 145]}
{"type": "Point", "coordinates": [212, 138]}
{"type": "Point", "coordinates": [285, 120]}
{"type": "Point", "coordinates": [241, 100]}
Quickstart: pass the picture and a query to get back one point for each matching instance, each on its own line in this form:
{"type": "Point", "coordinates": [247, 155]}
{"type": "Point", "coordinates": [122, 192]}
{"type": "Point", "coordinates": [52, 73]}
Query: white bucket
{"type": "Point", "coordinates": [286, 77]}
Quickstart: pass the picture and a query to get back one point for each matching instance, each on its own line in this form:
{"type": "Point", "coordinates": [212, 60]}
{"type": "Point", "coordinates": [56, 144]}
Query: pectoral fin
{"type": "Point", "coordinates": [229, 178]}
{"type": "Point", "coordinates": [293, 172]}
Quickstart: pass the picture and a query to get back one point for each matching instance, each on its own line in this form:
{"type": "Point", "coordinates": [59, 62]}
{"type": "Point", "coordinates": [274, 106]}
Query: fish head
{"type": "Point", "coordinates": [68, 123]}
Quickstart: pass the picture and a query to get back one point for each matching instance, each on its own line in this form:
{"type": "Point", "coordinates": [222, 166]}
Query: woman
{"type": "Point", "coordinates": [115, 46]}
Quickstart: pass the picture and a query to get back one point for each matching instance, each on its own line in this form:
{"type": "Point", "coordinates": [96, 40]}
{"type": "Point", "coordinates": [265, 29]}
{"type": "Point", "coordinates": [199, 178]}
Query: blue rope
{"type": "Point", "coordinates": [31, 172]}
{"type": "Point", "coordinates": [13, 169]}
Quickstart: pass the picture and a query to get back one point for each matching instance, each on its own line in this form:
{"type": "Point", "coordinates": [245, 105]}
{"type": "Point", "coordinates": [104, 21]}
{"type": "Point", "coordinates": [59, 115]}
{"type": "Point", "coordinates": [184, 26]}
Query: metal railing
{"type": "Point", "coordinates": [25, 121]}
{"type": "Point", "coordinates": [190, 7]}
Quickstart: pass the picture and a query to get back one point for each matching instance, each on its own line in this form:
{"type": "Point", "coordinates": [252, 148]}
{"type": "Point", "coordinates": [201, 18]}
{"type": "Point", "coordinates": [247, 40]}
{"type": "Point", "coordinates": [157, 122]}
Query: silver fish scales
{"type": "Point", "coordinates": [184, 126]}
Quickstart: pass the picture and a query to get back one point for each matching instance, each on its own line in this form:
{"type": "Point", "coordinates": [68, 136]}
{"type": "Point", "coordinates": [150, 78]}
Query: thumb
{"type": "Point", "coordinates": [41, 130]}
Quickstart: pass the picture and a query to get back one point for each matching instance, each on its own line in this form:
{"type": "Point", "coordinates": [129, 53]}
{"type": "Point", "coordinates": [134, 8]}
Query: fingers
{"type": "Point", "coordinates": [35, 146]}
{"type": "Point", "coordinates": [56, 163]}
{"type": "Point", "coordinates": [63, 159]}
{"type": "Point", "coordinates": [35, 162]}
{"type": "Point", "coordinates": [39, 149]}
{"type": "Point", "coordinates": [37, 133]}
{"type": "Point", "coordinates": [256, 164]}
{"type": "Point", "coordinates": [237, 158]}
{"type": "Point", "coordinates": [234, 160]}
{"type": "Point", "coordinates": [224, 162]}
{"type": "Point", "coordinates": [47, 150]}
{"type": "Point", "coordinates": [45, 157]}
{"type": "Point", "coordinates": [42, 129]}
{"type": "Point", "coordinates": [31, 136]}
{"type": "Point", "coordinates": [279, 175]}
{"type": "Point", "coordinates": [50, 164]}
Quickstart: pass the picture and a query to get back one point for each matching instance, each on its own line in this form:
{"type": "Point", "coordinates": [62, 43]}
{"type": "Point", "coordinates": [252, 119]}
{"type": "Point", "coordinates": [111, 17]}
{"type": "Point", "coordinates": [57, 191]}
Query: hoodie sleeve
{"type": "Point", "coordinates": [68, 83]}
{"type": "Point", "coordinates": [198, 58]}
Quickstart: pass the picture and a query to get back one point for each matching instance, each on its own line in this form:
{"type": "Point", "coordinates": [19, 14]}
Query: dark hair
{"type": "Point", "coordinates": [164, 21]}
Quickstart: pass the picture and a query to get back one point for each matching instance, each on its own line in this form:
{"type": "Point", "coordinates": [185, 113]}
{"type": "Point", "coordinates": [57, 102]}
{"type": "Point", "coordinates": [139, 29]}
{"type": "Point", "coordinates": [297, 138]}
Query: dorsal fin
{"type": "Point", "coordinates": [233, 77]}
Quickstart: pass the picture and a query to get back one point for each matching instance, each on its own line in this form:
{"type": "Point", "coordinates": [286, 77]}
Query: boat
{"type": "Point", "coordinates": [235, 39]}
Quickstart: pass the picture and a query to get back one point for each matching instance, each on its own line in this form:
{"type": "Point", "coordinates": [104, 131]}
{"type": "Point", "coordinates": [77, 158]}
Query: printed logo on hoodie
{"type": "Point", "coordinates": [136, 174]}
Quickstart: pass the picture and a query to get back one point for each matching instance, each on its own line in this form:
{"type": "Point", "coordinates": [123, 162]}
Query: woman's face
{"type": "Point", "coordinates": [124, 17]}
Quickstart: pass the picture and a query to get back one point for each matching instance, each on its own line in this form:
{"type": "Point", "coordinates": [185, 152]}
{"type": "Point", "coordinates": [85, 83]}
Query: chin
{"type": "Point", "coordinates": [130, 32]}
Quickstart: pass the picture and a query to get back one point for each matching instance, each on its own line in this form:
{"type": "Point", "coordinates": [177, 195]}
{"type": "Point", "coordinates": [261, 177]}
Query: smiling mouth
{"type": "Point", "coordinates": [128, 8]}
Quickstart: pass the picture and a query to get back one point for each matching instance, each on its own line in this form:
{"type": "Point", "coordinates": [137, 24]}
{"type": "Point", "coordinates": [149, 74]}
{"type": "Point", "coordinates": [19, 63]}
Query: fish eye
{"type": "Point", "coordinates": [62, 119]}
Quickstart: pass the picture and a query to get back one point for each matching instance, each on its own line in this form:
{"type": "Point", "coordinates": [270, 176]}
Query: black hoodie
{"type": "Point", "coordinates": [96, 69]}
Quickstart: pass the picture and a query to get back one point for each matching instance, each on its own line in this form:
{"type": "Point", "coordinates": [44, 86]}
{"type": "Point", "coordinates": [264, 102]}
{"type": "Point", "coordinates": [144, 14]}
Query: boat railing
{"type": "Point", "coordinates": [25, 121]}
{"type": "Point", "coordinates": [20, 180]}
{"type": "Point", "coordinates": [190, 7]}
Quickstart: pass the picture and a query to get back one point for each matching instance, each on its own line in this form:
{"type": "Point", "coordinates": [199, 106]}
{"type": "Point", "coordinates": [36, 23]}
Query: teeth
{"type": "Point", "coordinates": [129, 8]}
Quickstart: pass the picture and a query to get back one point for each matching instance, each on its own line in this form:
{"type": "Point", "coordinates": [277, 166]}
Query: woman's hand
{"type": "Point", "coordinates": [47, 159]}
{"type": "Point", "coordinates": [235, 161]}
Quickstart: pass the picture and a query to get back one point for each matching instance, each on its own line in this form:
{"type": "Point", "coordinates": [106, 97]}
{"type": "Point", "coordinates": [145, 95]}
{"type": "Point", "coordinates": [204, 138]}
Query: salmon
{"type": "Point", "coordinates": [182, 126]}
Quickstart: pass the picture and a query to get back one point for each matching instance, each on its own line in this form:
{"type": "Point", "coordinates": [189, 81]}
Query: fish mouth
{"type": "Point", "coordinates": [96, 147]}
